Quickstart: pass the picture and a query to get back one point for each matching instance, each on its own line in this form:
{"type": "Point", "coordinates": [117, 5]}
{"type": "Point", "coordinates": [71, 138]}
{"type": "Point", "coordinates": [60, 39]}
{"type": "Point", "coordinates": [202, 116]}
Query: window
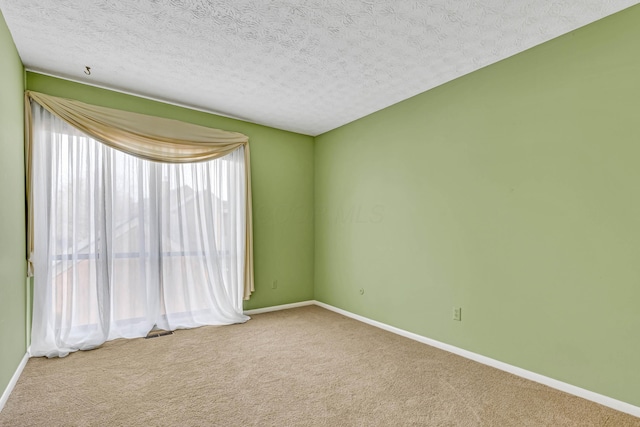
{"type": "Point", "coordinates": [124, 244]}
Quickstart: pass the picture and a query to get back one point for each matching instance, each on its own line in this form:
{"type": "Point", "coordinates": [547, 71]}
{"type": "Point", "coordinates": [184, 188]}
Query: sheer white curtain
{"type": "Point", "coordinates": [123, 244]}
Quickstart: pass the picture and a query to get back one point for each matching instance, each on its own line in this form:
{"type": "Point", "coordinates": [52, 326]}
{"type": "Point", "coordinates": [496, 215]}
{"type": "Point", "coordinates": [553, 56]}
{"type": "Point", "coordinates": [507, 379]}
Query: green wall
{"type": "Point", "coordinates": [282, 183]}
{"type": "Point", "coordinates": [12, 216]}
{"type": "Point", "coordinates": [512, 192]}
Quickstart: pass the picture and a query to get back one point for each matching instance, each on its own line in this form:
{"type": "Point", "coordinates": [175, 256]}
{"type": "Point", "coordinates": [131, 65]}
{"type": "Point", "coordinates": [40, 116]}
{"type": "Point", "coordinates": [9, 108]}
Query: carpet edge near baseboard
{"type": "Point", "coordinates": [592, 396]}
{"type": "Point", "coordinates": [279, 307]}
{"type": "Point", "coordinates": [13, 381]}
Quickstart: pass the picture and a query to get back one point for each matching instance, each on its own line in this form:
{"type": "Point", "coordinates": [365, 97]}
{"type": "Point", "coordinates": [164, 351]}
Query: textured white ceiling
{"type": "Point", "coordinates": [305, 66]}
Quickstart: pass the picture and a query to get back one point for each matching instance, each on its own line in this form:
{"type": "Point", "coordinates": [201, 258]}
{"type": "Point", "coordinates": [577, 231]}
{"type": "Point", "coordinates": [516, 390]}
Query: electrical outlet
{"type": "Point", "coordinates": [457, 314]}
{"type": "Point", "coordinates": [274, 285]}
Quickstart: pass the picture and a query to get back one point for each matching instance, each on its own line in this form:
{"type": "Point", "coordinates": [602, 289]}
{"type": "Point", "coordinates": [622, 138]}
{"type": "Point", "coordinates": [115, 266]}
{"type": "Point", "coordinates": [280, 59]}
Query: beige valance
{"type": "Point", "coordinates": [147, 137]}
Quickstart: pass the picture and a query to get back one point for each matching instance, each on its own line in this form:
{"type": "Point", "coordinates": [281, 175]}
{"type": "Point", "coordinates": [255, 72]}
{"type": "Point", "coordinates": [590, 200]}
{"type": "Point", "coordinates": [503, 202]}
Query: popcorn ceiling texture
{"type": "Point", "coordinates": [305, 66]}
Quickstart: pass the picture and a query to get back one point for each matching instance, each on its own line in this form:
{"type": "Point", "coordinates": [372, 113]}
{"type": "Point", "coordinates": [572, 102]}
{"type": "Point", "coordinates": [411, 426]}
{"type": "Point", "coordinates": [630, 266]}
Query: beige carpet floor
{"type": "Point", "coordinates": [299, 367]}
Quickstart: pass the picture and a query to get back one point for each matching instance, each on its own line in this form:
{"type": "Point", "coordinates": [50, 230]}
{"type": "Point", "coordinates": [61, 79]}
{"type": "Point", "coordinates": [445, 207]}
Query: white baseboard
{"type": "Point", "coordinates": [558, 385]}
{"type": "Point", "coordinates": [279, 307]}
{"type": "Point", "coordinates": [13, 381]}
